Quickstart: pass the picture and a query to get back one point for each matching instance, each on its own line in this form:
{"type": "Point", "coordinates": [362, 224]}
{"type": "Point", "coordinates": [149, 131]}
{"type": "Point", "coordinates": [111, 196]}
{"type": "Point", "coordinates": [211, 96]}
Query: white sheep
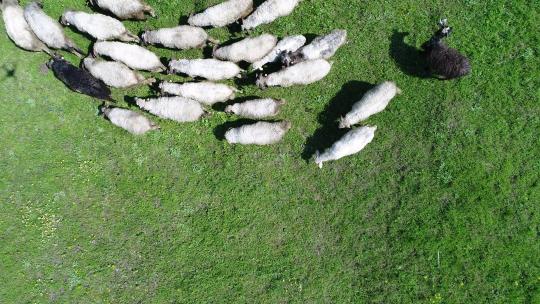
{"type": "Point", "coordinates": [286, 45]}
{"type": "Point", "coordinates": [48, 30]}
{"type": "Point", "coordinates": [18, 29]}
{"type": "Point", "coordinates": [115, 74]}
{"type": "Point", "coordinates": [260, 133]}
{"type": "Point", "coordinates": [222, 14]}
{"type": "Point", "coordinates": [207, 93]}
{"type": "Point", "coordinates": [130, 121]}
{"type": "Point", "coordinates": [211, 69]}
{"type": "Point", "coordinates": [256, 109]}
{"type": "Point", "coordinates": [249, 49]}
{"type": "Point", "coordinates": [134, 56]}
{"type": "Point", "coordinates": [182, 37]}
{"type": "Point", "coordinates": [351, 143]}
{"type": "Point", "coordinates": [373, 102]}
{"type": "Point", "coordinates": [179, 109]}
{"type": "Point", "coordinates": [300, 74]}
{"type": "Point", "coordinates": [99, 26]}
{"type": "Point", "coordinates": [268, 12]}
{"type": "Point", "coordinates": [321, 47]}
{"type": "Point", "coordinates": [126, 9]}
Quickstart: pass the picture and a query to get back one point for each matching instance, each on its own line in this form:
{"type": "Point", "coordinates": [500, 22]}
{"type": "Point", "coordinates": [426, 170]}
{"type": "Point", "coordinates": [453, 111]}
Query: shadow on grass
{"type": "Point", "coordinates": [329, 132]}
{"type": "Point", "coordinates": [408, 58]}
{"type": "Point", "coordinates": [8, 72]}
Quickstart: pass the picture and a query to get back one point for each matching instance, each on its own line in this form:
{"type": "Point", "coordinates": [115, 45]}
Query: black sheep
{"type": "Point", "coordinates": [78, 79]}
{"type": "Point", "coordinates": [443, 61]}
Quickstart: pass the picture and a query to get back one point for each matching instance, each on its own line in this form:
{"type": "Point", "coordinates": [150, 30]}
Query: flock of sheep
{"type": "Point", "coordinates": [32, 29]}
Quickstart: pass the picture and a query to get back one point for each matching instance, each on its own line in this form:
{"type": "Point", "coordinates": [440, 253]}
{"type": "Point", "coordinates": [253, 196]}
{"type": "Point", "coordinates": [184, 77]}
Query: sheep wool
{"type": "Point", "coordinates": [207, 93]}
{"type": "Point", "coordinates": [260, 133]}
{"type": "Point", "coordinates": [321, 47]}
{"type": "Point", "coordinates": [48, 30]}
{"type": "Point", "coordinates": [256, 109]}
{"type": "Point", "coordinates": [134, 56]}
{"type": "Point", "coordinates": [181, 37]}
{"type": "Point", "coordinates": [268, 12]}
{"type": "Point", "coordinates": [18, 29]}
{"type": "Point", "coordinates": [287, 44]}
{"type": "Point", "coordinates": [179, 109]}
{"type": "Point", "coordinates": [130, 121]}
{"type": "Point", "coordinates": [249, 49]}
{"type": "Point", "coordinates": [114, 74]}
{"type": "Point", "coordinates": [300, 74]}
{"type": "Point", "coordinates": [99, 26]}
{"type": "Point", "coordinates": [211, 69]}
{"type": "Point", "coordinates": [222, 14]}
{"type": "Point", "coordinates": [125, 9]}
{"type": "Point", "coordinates": [351, 143]}
{"type": "Point", "coordinates": [373, 102]}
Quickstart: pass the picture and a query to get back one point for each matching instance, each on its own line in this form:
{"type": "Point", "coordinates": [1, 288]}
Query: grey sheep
{"type": "Point", "coordinates": [300, 74]}
{"type": "Point", "coordinates": [211, 69]}
{"type": "Point", "coordinates": [321, 47]}
{"type": "Point", "coordinates": [115, 74]}
{"type": "Point", "coordinates": [260, 133]}
{"type": "Point", "coordinates": [286, 45]}
{"type": "Point", "coordinates": [49, 30]}
{"type": "Point", "coordinates": [125, 9]}
{"type": "Point", "coordinates": [268, 12]}
{"type": "Point", "coordinates": [257, 109]}
{"type": "Point", "coordinates": [134, 56]}
{"type": "Point", "coordinates": [222, 14]}
{"type": "Point", "coordinates": [179, 109]}
{"type": "Point", "coordinates": [207, 93]}
{"type": "Point", "coordinates": [373, 102]}
{"type": "Point", "coordinates": [181, 37]}
{"type": "Point", "coordinates": [351, 143]}
{"type": "Point", "coordinates": [99, 26]}
{"type": "Point", "coordinates": [249, 49]}
{"type": "Point", "coordinates": [130, 121]}
{"type": "Point", "coordinates": [18, 29]}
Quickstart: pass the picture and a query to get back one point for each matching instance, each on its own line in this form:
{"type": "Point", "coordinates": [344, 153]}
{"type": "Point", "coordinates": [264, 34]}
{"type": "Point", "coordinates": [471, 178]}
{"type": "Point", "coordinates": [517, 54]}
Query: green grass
{"type": "Point", "coordinates": [442, 207]}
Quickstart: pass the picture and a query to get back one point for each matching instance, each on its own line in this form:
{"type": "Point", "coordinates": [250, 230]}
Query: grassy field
{"type": "Point", "coordinates": [442, 207]}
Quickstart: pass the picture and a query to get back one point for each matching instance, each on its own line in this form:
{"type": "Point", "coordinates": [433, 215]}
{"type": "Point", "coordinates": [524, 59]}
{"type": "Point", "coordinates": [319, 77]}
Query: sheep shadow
{"type": "Point", "coordinates": [8, 71]}
{"type": "Point", "coordinates": [220, 130]}
{"type": "Point", "coordinates": [408, 58]}
{"type": "Point", "coordinates": [329, 132]}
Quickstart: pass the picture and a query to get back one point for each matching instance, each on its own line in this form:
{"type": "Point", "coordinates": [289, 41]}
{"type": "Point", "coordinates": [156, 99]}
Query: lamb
{"type": "Point", "coordinates": [256, 109]}
{"type": "Point", "coordinates": [222, 14]}
{"type": "Point", "coordinates": [321, 47]}
{"type": "Point", "coordinates": [115, 74]}
{"type": "Point", "coordinates": [268, 12]}
{"type": "Point", "coordinates": [179, 109]}
{"type": "Point", "coordinates": [99, 26]}
{"type": "Point", "coordinates": [130, 121]}
{"type": "Point", "coordinates": [260, 133]}
{"type": "Point", "coordinates": [287, 44]}
{"type": "Point", "coordinates": [211, 69]}
{"type": "Point", "coordinates": [79, 80]}
{"type": "Point", "coordinates": [126, 9]}
{"type": "Point", "coordinates": [301, 74]}
{"type": "Point", "coordinates": [207, 93]}
{"type": "Point", "coordinates": [18, 29]}
{"type": "Point", "coordinates": [134, 56]}
{"type": "Point", "coordinates": [181, 37]}
{"type": "Point", "coordinates": [443, 61]}
{"type": "Point", "coordinates": [48, 30]}
{"type": "Point", "coordinates": [351, 143]}
{"type": "Point", "coordinates": [249, 49]}
{"type": "Point", "coordinates": [373, 102]}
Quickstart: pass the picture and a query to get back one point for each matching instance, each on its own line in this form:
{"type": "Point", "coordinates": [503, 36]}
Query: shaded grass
{"type": "Point", "coordinates": [442, 207]}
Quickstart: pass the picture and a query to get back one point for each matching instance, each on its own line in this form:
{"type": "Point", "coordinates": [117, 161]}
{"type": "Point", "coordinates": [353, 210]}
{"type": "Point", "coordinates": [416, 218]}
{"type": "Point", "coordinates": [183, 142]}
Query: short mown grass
{"type": "Point", "coordinates": [442, 207]}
